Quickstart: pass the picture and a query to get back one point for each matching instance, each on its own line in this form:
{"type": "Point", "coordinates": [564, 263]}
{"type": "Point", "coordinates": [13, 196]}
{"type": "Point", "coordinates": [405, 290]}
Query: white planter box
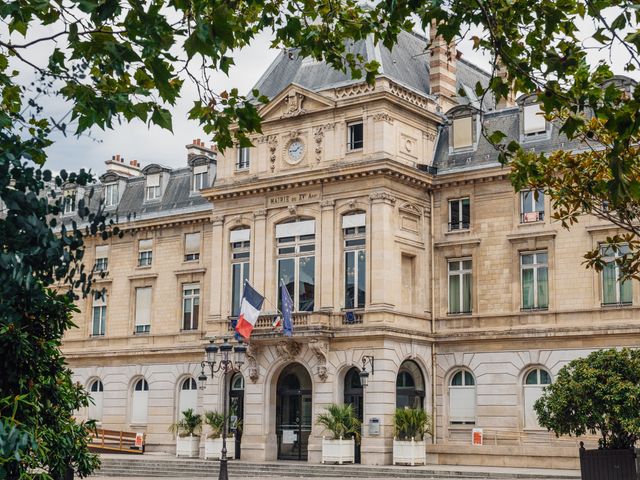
{"type": "Point", "coordinates": [409, 452]}
{"type": "Point", "coordinates": [188, 446]}
{"type": "Point", "coordinates": [339, 451]}
{"type": "Point", "coordinates": [213, 448]}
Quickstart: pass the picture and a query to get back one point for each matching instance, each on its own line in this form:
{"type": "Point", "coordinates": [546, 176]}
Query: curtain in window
{"type": "Point", "coordinates": [543, 288]}
{"type": "Point", "coordinates": [454, 294]}
{"type": "Point", "coordinates": [527, 288]}
{"type": "Point", "coordinates": [466, 292]}
{"type": "Point", "coordinates": [362, 270]}
{"type": "Point", "coordinates": [625, 292]}
{"type": "Point", "coordinates": [609, 277]}
{"type": "Point", "coordinates": [307, 283]}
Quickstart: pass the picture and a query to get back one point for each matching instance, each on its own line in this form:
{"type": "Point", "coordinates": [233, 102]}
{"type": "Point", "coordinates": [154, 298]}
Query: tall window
{"type": "Point", "coordinates": [296, 262]}
{"type": "Point", "coordinates": [99, 317]}
{"type": "Point", "coordinates": [190, 306]}
{"type": "Point", "coordinates": [102, 258]}
{"type": "Point", "coordinates": [534, 270]}
{"type": "Point", "coordinates": [188, 396]}
{"type": "Point", "coordinates": [355, 140]}
{"type": "Point", "coordinates": [111, 195]}
{"type": "Point", "coordinates": [462, 398]}
{"type": "Point", "coordinates": [534, 383]}
{"type": "Point", "coordinates": [531, 206]}
{"type": "Point", "coordinates": [240, 252]}
{"type": "Point", "coordinates": [355, 260]}
{"type": "Point", "coordinates": [192, 247]}
{"type": "Point", "coordinates": [140, 402]}
{"type": "Point", "coordinates": [96, 391]}
{"type": "Point", "coordinates": [614, 291]}
{"type": "Point", "coordinates": [459, 214]}
{"type": "Point", "coordinates": [153, 187]}
{"type": "Point", "coordinates": [460, 286]}
{"type": "Point", "coordinates": [243, 158]}
{"type": "Point", "coordinates": [200, 177]}
{"type": "Point", "coordinates": [143, 310]}
{"type": "Point", "coordinates": [69, 201]}
{"type": "Point", "coordinates": [410, 387]}
{"type": "Point", "coordinates": [145, 253]}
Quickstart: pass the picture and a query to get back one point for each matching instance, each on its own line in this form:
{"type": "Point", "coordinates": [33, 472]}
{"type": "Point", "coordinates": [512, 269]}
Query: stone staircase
{"type": "Point", "coordinates": [148, 466]}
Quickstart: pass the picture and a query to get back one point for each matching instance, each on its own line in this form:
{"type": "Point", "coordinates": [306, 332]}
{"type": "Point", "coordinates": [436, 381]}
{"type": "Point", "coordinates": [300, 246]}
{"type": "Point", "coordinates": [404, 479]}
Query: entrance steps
{"type": "Point", "coordinates": [150, 466]}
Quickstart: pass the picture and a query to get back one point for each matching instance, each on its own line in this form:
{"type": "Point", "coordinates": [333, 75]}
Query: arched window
{"type": "Point", "coordinates": [296, 243]}
{"type": "Point", "coordinates": [462, 398]}
{"type": "Point", "coordinates": [534, 382]}
{"type": "Point", "coordinates": [237, 383]}
{"type": "Point", "coordinates": [188, 396]}
{"type": "Point", "coordinates": [140, 402]}
{"type": "Point", "coordinates": [410, 388]}
{"type": "Point", "coordinates": [355, 265]}
{"type": "Point", "coordinates": [96, 390]}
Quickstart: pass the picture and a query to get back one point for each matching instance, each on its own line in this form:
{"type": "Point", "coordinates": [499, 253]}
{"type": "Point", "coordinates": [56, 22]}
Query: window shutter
{"type": "Point", "coordinates": [354, 220]}
{"type": "Point", "coordinates": [192, 243]}
{"type": "Point", "coordinates": [200, 169]}
{"type": "Point", "coordinates": [102, 251]}
{"type": "Point", "coordinates": [95, 408]}
{"type": "Point", "coordinates": [143, 306]}
{"type": "Point", "coordinates": [531, 395]}
{"type": "Point", "coordinates": [534, 121]}
{"type": "Point", "coordinates": [188, 399]}
{"type": "Point", "coordinates": [139, 407]}
{"type": "Point", "coordinates": [462, 404]}
{"type": "Point", "coordinates": [294, 229]}
{"type": "Point", "coordinates": [153, 180]}
{"type": "Point", "coordinates": [240, 235]}
{"type": "Point", "coordinates": [145, 245]}
{"type": "Point", "coordinates": [462, 132]}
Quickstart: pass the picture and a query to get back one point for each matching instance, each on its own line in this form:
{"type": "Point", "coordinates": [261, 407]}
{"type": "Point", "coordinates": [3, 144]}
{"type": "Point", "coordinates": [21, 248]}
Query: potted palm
{"type": "Point", "coordinates": [411, 426]}
{"type": "Point", "coordinates": [344, 426]}
{"type": "Point", "coordinates": [213, 442]}
{"type": "Point", "coordinates": [187, 430]}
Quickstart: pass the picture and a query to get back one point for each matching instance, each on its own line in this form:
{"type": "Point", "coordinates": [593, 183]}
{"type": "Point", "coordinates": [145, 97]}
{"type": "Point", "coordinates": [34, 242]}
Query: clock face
{"type": "Point", "coordinates": [295, 150]}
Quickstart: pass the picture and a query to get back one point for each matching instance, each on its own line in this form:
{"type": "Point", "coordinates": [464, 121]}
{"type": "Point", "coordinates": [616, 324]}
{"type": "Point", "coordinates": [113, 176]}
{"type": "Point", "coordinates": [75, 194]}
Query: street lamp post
{"type": "Point", "coordinates": [226, 365]}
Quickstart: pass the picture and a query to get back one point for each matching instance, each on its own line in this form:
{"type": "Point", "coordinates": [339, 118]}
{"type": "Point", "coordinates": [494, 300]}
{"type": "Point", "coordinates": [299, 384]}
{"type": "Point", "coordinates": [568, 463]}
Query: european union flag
{"type": "Point", "coordinates": [287, 310]}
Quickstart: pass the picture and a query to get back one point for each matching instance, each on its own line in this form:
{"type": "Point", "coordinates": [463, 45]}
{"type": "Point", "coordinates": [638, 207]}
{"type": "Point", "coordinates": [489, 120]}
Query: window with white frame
{"type": "Point", "coordinates": [111, 195]}
{"type": "Point", "coordinates": [153, 187]}
{"type": "Point", "coordinates": [531, 206]}
{"type": "Point", "coordinates": [534, 121]}
{"type": "Point", "coordinates": [462, 398]}
{"type": "Point", "coordinates": [190, 306]}
{"type": "Point", "coordinates": [200, 177]}
{"type": "Point", "coordinates": [355, 260]}
{"type": "Point", "coordinates": [140, 402]}
{"type": "Point", "coordinates": [534, 273]}
{"type": "Point", "coordinates": [143, 309]}
{"type": "Point", "coordinates": [68, 202]}
{"type": "Point", "coordinates": [145, 253]}
{"type": "Point", "coordinates": [240, 253]}
{"type": "Point", "coordinates": [459, 286]}
{"type": "Point", "coordinates": [614, 291]}
{"type": "Point", "coordinates": [192, 247]}
{"type": "Point", "coordinates": [459, 214]}
{"type": "Point", "coordinates": [243, 158]}
{"type": "Point", "coordinates": [296, 262]}
{"type": "Point", "coordinates": [462, 132]}
{"type": "Point", "coordinates": [534, 382]}
{"type": "Point", "coordinates": [355, 139]}
{"type": "Point", "coordinates": [99, 315]}
{"type": "Point", "coordinates": [188, 396]}
{"type": "Point", "coordinates": [102, 258]}
{"type": "Point", "coordinates": [96, 392]}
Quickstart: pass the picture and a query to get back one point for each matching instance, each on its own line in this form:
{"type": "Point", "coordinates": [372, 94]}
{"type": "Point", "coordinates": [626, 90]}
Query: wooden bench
{"type": "Point", "coordinates": [115, 441]}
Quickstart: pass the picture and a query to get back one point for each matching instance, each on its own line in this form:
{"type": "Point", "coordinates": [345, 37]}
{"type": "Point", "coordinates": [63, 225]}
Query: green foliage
{"type": "Point", "coordinates": [341, 421]}
{"type": "Point", "coordinates": [411, 423]}
{"type": "Point", "coordinates": [598, 394]}
{"type": "Point", "coordinates": [216, 422]}
{"type": "Point", "coordinates": [190, 424]}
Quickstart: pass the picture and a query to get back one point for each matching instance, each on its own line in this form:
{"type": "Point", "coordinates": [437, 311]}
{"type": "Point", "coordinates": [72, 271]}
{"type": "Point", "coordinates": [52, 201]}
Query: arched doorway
{"type": "Point", "coordinates": [236, 409]}
{"type": "Point", "coordinates": [410, 389]}
{"type": "Point", "coordinates": [293, 412]}
{"type": "Point", "coordinates": [353, 395]}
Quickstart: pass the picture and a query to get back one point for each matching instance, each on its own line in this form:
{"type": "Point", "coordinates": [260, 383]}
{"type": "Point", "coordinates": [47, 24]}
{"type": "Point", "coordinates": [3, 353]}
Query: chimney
{"type": "Point", "coordinates": [510, 101]}
{"type": "Point", "coordinates": [198, 148]}
{"type": "Point", "coordinates": [118, 165]}
{"type": "Point", "coordinates": [442, 69]}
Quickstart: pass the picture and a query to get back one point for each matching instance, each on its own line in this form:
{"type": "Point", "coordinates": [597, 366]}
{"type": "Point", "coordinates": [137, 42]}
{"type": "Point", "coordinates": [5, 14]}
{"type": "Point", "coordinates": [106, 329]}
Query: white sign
{"type": "Point", "coordinates": [289, 436]}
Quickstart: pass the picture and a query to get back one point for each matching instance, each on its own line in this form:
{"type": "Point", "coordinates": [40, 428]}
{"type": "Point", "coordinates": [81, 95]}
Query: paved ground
{"type": "Point", "coordinates": [270, 478]}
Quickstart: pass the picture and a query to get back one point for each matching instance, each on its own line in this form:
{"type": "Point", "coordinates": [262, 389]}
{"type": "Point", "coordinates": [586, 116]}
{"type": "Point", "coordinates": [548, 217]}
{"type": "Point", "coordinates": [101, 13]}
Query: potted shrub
{"type": "Point", "coordinates": [344, 427]}
{"type": "Point", "coordinates": [213, 442]}
{"type": "Point", "coordinates": [600, 395]}
{"type": "Point", "coordinates": [187, 430]}
{"type": "Point", "coordinates": [411, 425]}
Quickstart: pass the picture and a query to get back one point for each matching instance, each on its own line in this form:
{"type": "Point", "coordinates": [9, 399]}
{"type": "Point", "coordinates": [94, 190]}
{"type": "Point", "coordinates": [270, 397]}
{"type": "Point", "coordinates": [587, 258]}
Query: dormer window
{"type": "Point", "coordinates": [69, 202]}
{"type": "Point", "coordinates": [200, 177]}
{"type": "Point", "coordinates": [462, 133]}
{"type": "Point", "coordinates": [243, 158]}
{"type": "Point", "coordinates": [534, 121]}
{"type": "Point", "coordinates": [111, 195]}
{"type": "Point", "coordinates": [153, 187]}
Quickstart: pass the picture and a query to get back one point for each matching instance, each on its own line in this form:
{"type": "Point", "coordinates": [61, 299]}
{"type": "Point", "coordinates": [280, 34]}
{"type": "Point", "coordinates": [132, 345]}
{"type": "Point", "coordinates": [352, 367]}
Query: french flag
{"type": "Point", "coordinates": [249, 310]}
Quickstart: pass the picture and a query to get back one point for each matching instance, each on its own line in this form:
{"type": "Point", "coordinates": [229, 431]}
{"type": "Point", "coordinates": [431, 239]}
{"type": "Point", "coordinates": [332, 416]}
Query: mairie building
{"type": "Point", "coordinates": [386, 214]}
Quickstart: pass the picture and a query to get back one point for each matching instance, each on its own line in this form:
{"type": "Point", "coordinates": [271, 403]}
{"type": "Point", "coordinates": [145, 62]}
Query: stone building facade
{"type": "Point", "coordinates": [398, 235]}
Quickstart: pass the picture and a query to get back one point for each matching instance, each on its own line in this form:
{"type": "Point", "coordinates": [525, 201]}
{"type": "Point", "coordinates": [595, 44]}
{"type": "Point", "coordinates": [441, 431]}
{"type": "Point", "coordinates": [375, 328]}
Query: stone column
{"type": "Point", "coordinates": [382, 250]}
{"type": "Point", "coordinates": [327, 261]}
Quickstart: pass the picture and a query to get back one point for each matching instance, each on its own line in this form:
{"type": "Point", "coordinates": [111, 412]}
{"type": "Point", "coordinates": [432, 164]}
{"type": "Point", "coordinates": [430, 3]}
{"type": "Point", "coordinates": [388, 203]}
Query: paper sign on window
{"type": "Point", "coordinates": [139, 439]}
{"type": "Point", "coordinates": [476, 436]}
{"type": "Point", "coordinates": [289, 436]}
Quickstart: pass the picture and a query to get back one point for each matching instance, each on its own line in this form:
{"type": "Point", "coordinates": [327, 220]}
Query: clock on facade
{"type": "Point", "coordinates": [295, 151]}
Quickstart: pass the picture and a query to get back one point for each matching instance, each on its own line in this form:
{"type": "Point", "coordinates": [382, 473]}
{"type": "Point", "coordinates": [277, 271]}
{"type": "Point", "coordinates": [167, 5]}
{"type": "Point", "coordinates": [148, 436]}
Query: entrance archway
{"type": "Point", "coordinates": [236, 409]}
{"type": "Point", "coordinates": [353, 395]}
{"type": "Point", "coordinates": [410, 387]}
{"type": "Point", "coordinates": [293, 412]}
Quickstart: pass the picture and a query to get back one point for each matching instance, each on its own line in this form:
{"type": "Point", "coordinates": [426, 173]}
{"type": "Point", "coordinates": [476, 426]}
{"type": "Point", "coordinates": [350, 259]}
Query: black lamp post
{"type": "Point", "coordinates": [226, 365]}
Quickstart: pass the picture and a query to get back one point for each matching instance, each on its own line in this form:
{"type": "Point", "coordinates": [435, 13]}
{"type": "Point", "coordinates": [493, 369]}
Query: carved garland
{"type": "Point", "coordinates": [254, 370]}
{"type": "Point", "coordinates": [320, 348]}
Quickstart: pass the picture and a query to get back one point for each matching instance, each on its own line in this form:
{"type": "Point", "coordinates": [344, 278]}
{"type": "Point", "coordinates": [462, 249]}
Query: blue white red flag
{"type": "Point", "coordinates": [249, 310]}
{"type": "Point", "coordinates": [287, 310]}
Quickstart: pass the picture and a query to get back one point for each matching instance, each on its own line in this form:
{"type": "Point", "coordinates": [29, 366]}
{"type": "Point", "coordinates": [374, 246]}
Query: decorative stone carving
{"type": "Point", "coordinates": [293, 210]}
{"type": "Point", "coordinates": [259, 214]}
{"type": "Point", "coordinates": [318, 136]}
{"type": "Point", "coordinates": [217, 220]}
{"type": "Point", "coordinates": [383, 117]}
{"type": "Point", "coordinates": [254, 370]}
{"type": "Point", "coordinates": [382, 197]}
{"type": "Point", "coordinates": [273, 147]}
{"type": "Point", "coordinates": [327, 204]}
{"type": "Point", "coordinates": [288, 349]}
{"type": "Point", "coordinates": [352, 203]}
{"type": "Point", "coordinates": [320, 348]}
{"type": "Point", "coordinates": [354, 90]}
{"type": "Point", "coordinates": [293, 105]}
{"type": "Point", "coordinates": [429, 136]}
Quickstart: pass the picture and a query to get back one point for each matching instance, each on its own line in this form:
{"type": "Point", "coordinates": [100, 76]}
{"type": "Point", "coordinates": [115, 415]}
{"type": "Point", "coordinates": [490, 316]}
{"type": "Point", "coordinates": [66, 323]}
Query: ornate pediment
{"type": "Point", "coordinates": [294, 101]}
